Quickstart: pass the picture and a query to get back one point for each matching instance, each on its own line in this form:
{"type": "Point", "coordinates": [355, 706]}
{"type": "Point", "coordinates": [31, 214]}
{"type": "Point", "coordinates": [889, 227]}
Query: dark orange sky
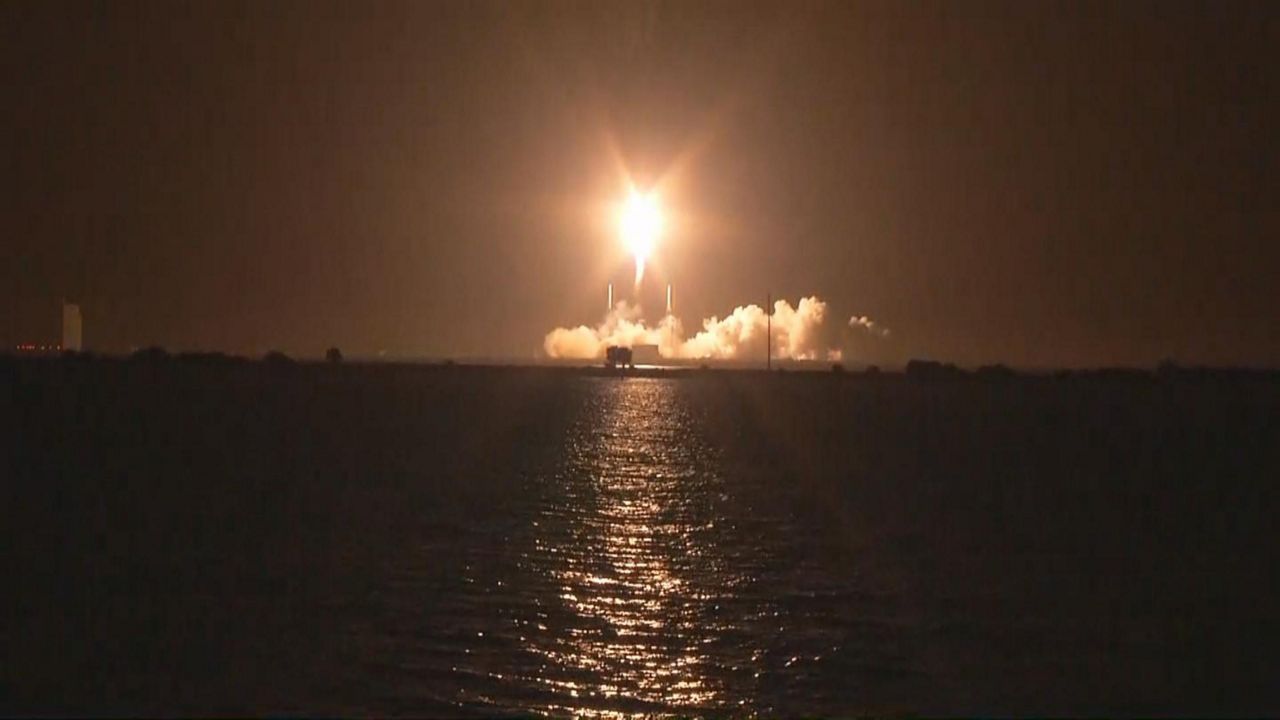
{"type": "Point", "coordinates": [1034, 183]}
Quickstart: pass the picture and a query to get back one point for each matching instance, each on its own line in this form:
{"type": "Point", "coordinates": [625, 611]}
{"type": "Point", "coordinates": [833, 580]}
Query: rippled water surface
{"type": "Point", "coordinates": [632, 577]}
{"type": "Point", "coordinates": [436, 542]}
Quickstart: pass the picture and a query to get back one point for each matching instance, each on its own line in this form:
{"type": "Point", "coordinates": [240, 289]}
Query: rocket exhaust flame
{"type": "Point", "coordinates": [640, 224]}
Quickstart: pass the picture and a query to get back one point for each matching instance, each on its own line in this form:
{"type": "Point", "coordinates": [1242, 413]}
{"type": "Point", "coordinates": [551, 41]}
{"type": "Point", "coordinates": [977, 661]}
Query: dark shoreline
{"type": "Point", "coordinates": [914, 370]}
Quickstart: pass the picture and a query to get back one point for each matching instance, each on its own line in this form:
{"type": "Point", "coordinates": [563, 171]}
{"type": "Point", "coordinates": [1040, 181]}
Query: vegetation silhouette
{"type": "Point", "coordinates": [153, 354]}
{"type": "Point", "coordinates": [995, 373]}
{"type": "Point", "coordinates": [209, 358]}
{"type": "Point", "coordinates": [931, 370]}
{"type": "Point", "coordinates": [277, 360]}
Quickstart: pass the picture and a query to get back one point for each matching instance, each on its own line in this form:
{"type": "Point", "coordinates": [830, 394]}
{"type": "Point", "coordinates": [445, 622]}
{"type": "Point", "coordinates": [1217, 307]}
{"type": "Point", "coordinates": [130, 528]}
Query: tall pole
{"type": "Point", "coordinates": [768, 333]}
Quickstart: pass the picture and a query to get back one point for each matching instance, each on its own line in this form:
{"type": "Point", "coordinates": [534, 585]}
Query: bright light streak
{"type": "Point", "coordinates": [641, 225]}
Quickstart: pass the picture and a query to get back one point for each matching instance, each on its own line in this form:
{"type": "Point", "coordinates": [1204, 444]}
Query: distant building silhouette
{"type": "Point", "coordinates": [71, 327]}
{"type": "Point", "coordinates": [615, 356]}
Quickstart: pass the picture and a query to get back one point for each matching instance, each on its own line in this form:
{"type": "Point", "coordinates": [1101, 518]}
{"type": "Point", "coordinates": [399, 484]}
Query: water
{"type": "Point", "coordinates": [459, 542]}
{"type": "Point", "coordinates": [635, 579]}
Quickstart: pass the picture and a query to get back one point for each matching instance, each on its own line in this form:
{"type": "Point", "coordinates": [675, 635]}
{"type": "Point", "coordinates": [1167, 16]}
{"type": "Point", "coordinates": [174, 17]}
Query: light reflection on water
{"type": "Point", "coordinates": [629, 574]}
{"type": "Point", "coordinates": [629, 545]}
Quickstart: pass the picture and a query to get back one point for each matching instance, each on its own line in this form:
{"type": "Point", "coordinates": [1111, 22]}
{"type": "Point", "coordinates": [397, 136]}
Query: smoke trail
{"type": "Point", "coordinates": [797, 334]}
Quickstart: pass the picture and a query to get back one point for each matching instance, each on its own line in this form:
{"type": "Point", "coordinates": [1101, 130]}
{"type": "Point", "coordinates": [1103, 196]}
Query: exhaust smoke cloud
{"type": "Point", "coordinates": [798, 334]}
{"type": "Point", "coordinates": [862, 322]}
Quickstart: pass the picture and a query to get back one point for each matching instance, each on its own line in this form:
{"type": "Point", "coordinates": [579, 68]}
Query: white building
{"type": "Point", "coordinates": [71, 327]}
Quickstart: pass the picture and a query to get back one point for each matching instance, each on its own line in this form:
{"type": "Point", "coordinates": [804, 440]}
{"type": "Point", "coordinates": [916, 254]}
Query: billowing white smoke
{"type": "Point", "coordinates": [862, 322]}
{"type": "Point", "coordinates": [797, 334]}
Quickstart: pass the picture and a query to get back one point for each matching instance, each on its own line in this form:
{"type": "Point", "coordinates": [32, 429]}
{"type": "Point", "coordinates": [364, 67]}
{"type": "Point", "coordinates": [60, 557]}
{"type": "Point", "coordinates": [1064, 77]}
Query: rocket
{"type": "Point", "coordinates": [668, 298]}
{"type": "Point", "coordinates": [610, 309]}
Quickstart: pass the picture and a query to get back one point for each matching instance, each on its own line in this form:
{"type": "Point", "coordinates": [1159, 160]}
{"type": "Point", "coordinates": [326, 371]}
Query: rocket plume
{"type": "Point", "coordinates": [797, 334]}
{"type": "Point", "coordinates": [640, 225]}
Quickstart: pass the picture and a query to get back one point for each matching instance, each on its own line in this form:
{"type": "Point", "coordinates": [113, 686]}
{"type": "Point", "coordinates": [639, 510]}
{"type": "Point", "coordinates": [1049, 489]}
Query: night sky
{"type": "Point", "coordinates": [1032, 183]}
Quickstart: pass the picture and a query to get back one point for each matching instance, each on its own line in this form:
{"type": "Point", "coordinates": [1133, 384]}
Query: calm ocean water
{"type": "Point", "coordinates": [692, 547]}
{"type": "Point", "coordinates": [634, 576]}
{"type": "Point", "coordinates": [492, 542]}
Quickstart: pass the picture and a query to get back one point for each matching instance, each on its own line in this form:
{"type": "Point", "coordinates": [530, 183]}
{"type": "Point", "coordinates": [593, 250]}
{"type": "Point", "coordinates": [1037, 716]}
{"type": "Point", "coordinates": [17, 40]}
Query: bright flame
{"type": "Point", "coordinates": [640, 225]}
